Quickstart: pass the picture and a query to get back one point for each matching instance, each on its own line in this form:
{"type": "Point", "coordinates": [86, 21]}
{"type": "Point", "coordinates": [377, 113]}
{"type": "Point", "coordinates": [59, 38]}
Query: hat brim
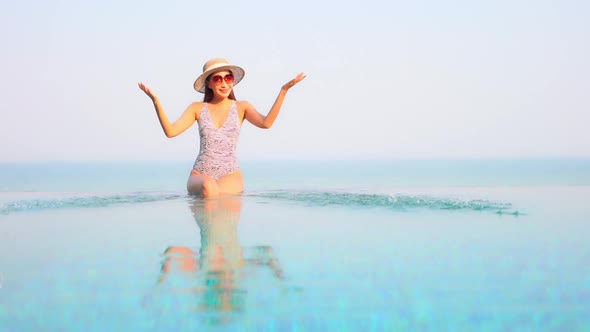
{"type": "Point", "coordinates": [237, 71]}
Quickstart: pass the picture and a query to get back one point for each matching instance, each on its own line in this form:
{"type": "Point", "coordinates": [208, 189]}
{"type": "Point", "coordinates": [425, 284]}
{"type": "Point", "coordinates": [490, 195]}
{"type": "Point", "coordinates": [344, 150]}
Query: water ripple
{"type": "Point", "coordinates": [400, 202]}
{"type": "Point", "coordinates": [395, 201]}
{"type": "Point", "coordinates": [84, 201]}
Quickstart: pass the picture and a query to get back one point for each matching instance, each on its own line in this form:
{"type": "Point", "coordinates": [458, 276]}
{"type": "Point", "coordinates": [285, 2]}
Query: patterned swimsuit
{"type": "Point", "coordinates": [217, 154]}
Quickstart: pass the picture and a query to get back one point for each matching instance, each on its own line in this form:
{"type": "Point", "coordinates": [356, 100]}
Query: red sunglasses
{"type": "Point", "coordinates": [217, 79]}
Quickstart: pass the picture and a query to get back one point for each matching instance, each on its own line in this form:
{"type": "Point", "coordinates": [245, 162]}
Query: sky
{"type": "Point", "coordinates": [385, 79]}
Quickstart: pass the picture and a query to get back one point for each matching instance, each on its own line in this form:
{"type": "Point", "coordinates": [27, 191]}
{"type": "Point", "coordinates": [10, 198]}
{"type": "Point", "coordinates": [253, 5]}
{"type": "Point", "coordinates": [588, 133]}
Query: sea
{"type": "Point", "coordinates": [339, 245]}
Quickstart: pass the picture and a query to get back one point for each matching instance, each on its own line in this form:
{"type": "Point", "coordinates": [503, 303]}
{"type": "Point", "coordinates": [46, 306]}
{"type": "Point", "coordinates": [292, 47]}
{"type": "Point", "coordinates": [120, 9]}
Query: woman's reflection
{"type": "Point", "coordinates": [217, 271]}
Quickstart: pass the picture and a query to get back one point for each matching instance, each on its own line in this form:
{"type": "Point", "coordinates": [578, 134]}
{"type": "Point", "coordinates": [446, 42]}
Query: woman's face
{"type": "Point", "coordinates": [221, 82]}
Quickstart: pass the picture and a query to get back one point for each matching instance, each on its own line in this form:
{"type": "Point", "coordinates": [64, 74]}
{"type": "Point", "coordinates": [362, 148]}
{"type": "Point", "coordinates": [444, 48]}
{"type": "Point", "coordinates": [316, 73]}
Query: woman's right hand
{"type": "Point", "coordinates": [294, 81]}
{"type": "Point", "coordinates": [147, 91]}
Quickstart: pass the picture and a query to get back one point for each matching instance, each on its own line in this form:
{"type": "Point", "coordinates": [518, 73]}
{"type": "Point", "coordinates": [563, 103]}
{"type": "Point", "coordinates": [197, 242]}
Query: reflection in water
{"type": "Point", "coordinates": [211, 281]}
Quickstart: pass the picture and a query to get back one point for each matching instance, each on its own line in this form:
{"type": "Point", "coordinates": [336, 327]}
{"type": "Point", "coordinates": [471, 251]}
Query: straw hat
{"type": "Point", "coordinates": [215, 65]}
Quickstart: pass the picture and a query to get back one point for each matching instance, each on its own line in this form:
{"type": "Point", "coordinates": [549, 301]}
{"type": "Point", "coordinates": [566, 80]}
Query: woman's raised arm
{"type": "Point", "coordinates": [179, 126]}
{"type": "Point", "coordinates": [267, 121]}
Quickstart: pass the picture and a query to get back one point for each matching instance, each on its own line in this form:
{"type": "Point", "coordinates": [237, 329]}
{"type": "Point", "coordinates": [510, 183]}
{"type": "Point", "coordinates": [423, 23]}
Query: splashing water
{"type": "Point", "coordinates": [396, 202]}
{"type": "Point", "coordinates": [400, 202]}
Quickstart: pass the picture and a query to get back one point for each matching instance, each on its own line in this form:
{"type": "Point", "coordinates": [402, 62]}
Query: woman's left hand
{"type": "Point", "coordinates": [147, 91]}
{"type": "Point", "coordinates": [294, 81]}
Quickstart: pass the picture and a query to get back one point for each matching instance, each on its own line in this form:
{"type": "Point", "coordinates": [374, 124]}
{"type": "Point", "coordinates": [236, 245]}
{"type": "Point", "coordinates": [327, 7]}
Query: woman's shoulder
{"type": "Point", "coordinates": [196, 107]}
{"type": "Point", "coordinates": [243, 104]}
{"type": "Point", "coordinates": [198, 104]}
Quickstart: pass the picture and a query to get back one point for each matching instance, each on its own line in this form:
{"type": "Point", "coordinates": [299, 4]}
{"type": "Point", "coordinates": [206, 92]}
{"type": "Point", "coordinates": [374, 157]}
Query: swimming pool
{"type": "Point", "coordinates": [384, 252]}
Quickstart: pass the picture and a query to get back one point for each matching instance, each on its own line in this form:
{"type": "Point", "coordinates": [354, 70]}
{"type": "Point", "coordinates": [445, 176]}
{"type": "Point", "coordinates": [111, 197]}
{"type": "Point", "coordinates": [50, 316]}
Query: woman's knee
{"type": "Point", "coordinates": [209, 188]}
{"type": "Point", "coordinates": [201, 185]}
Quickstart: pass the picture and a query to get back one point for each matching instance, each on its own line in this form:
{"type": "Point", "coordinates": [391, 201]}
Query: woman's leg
{"type": "Point", "coordinates": [232, 183]}
{"type": "Point", "coordinates": [201, 185]}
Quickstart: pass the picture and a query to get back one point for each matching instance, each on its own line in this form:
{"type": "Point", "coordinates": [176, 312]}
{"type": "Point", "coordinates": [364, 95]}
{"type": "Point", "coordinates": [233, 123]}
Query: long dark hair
{"type": "Point", "coordinates": [209, 93]}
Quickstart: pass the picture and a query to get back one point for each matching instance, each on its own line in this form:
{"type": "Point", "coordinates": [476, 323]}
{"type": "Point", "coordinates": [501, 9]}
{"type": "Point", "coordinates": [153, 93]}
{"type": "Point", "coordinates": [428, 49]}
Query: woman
{"type": "Point", "coordinates": [220, 116]}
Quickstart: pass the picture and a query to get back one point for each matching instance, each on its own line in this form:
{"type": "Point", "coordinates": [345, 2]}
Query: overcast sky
{"type": "Point", "coordinates": [386, 79]}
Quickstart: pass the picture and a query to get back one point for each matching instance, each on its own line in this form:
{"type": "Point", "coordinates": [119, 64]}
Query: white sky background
{"type": "Point", "coordinates": [386, 79]}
